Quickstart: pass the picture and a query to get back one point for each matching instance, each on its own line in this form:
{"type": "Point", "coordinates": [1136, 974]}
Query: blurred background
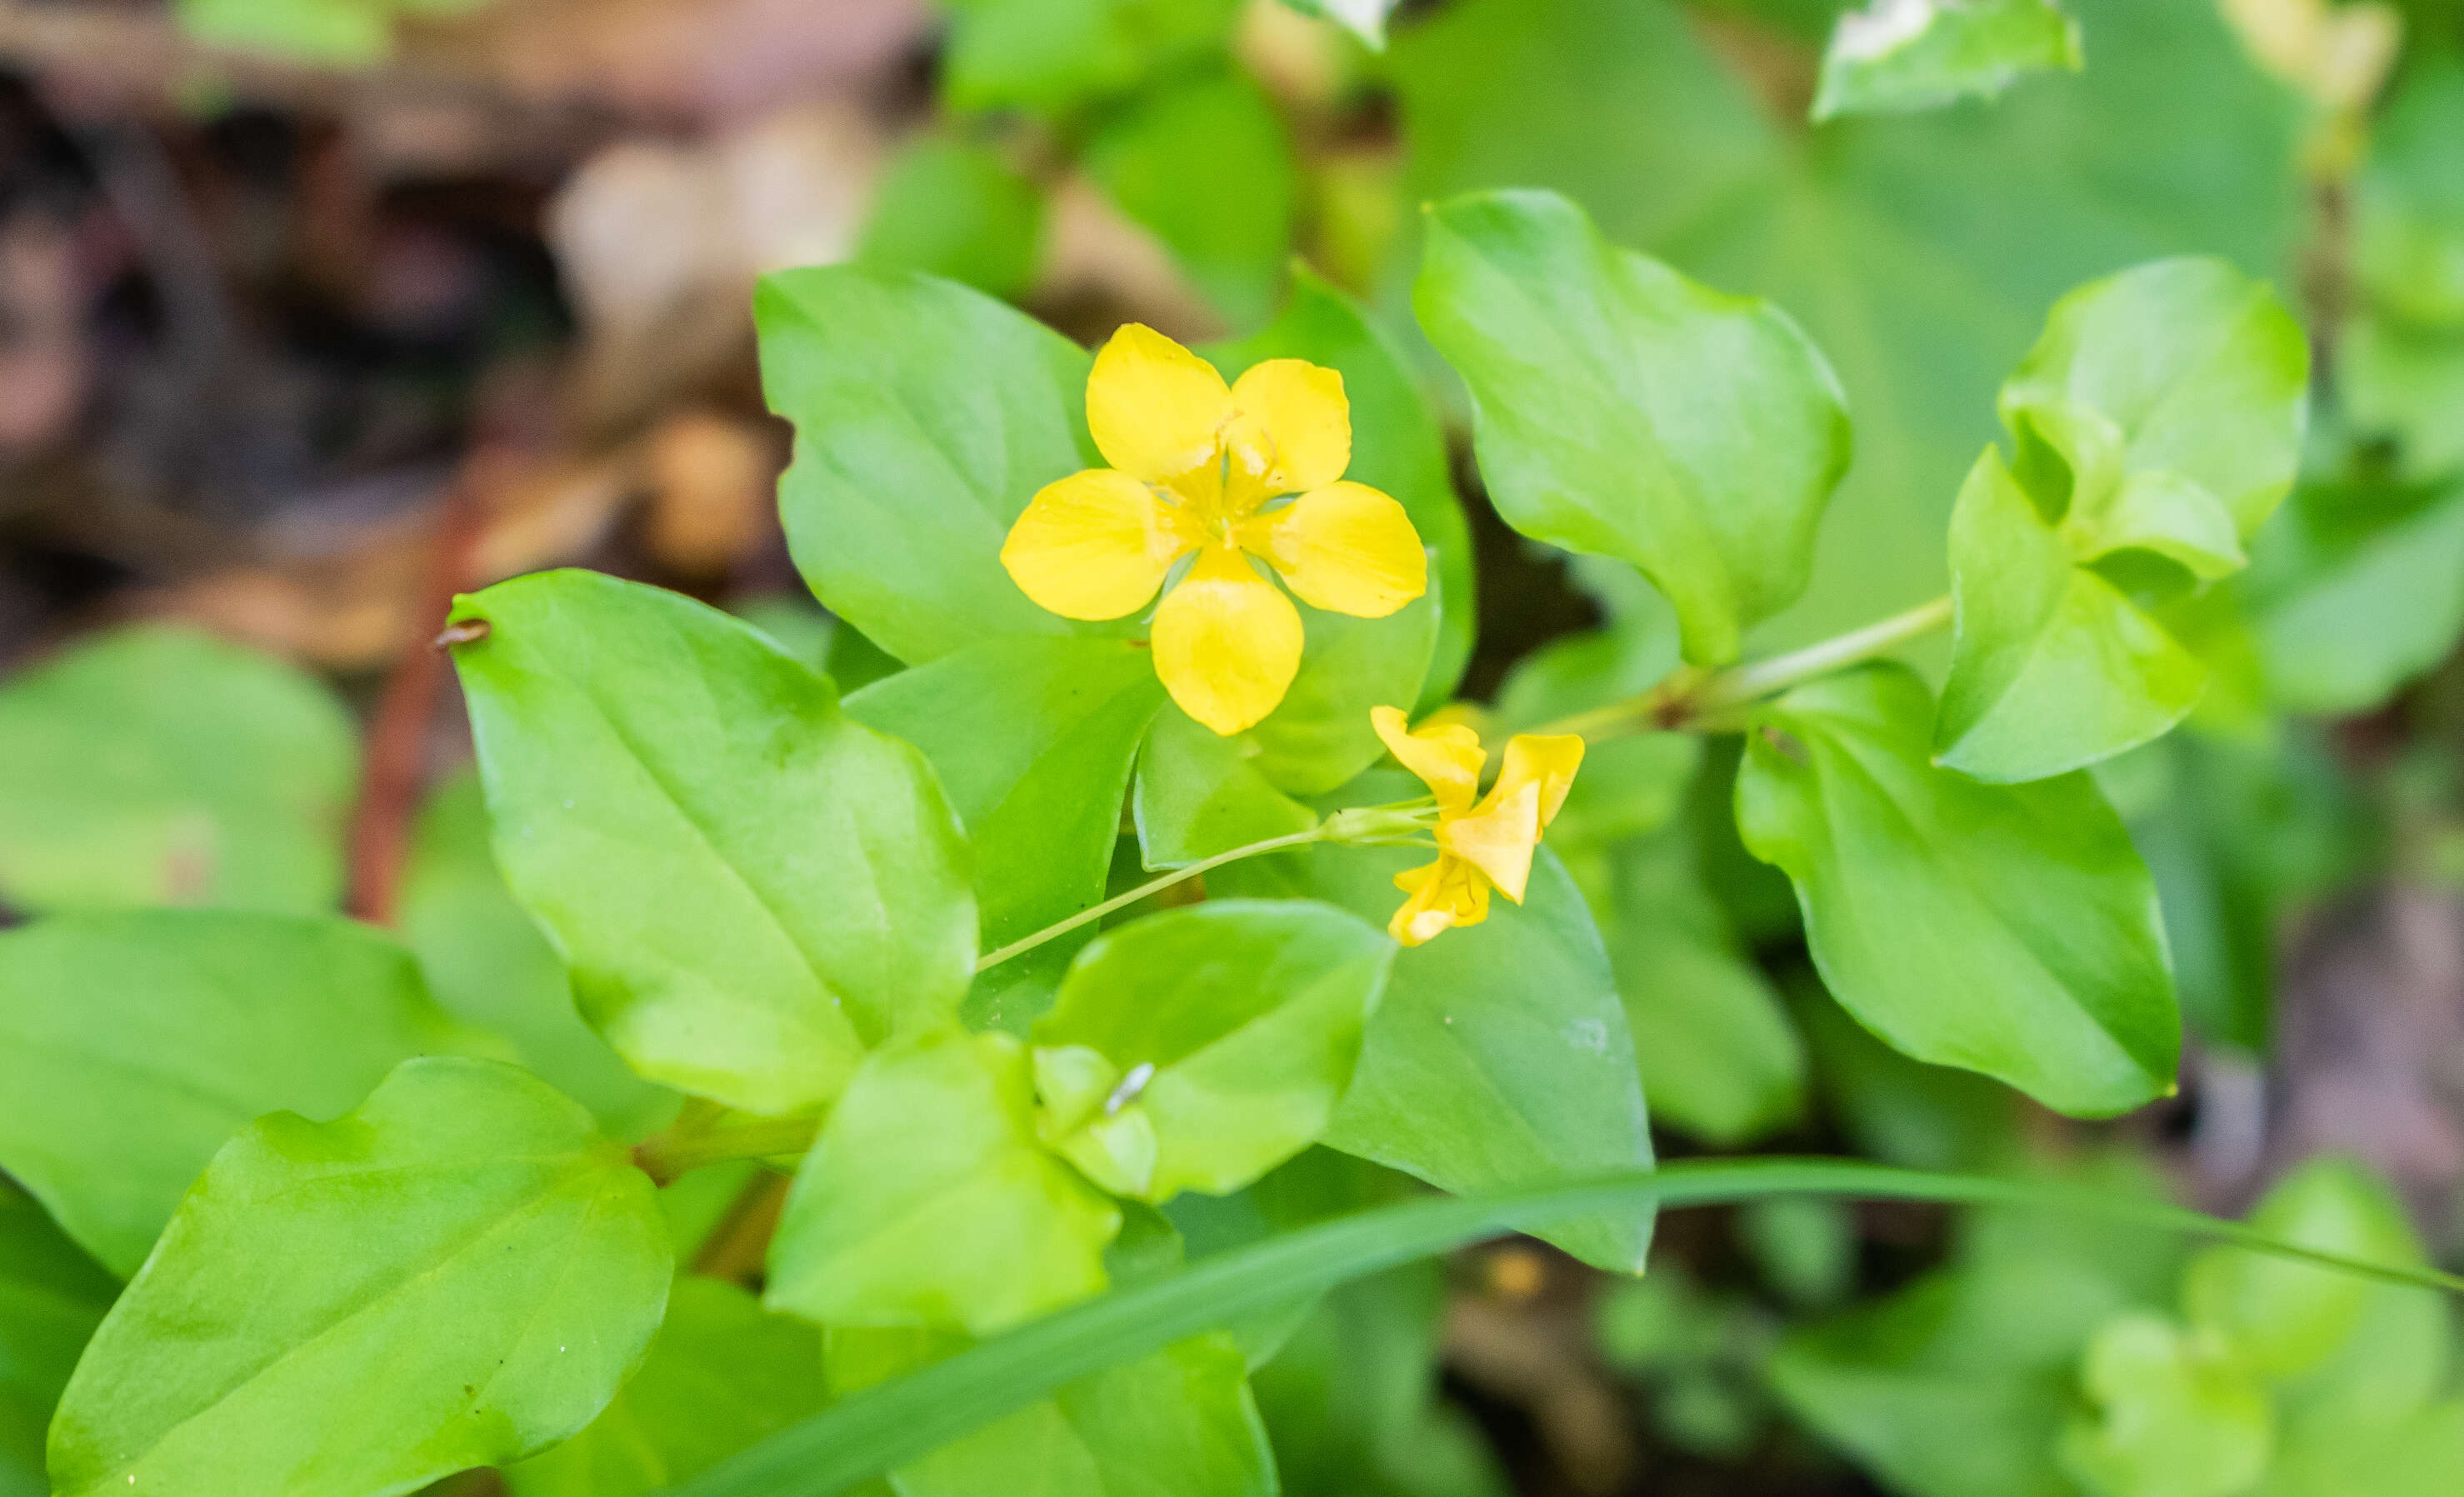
{"type": "Point", "coordinates": [313, 312]}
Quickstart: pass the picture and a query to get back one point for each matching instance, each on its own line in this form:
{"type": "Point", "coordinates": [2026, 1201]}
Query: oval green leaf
{"type": "Point", "coordinates": [928, 1199]}
{"type": "Point", "coordinates": [1500, 1054]}
{"type": "Point", "coordinates": [1624, 410]}
{"type": "Point", "coordinates": [2053, 668]}
{"type": "Point", "coordinates": [156, 765]}
{"type": "Point", "coordinates": [1199, 1049]}
{"type": "Point", "coordinates": [2006, 929]}
{"type": "Point", "coordinates": [749, 887]}
{"type": "Point", "coordinates": [284, 1336]}
{"type": "Point", "coordinates": [927, 415]}
{"type": "Point", "coordinates": [133, 1046]}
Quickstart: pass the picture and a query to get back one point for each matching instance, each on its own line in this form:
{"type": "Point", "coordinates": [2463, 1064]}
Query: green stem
{"type": "Point", "coordinates": [1706, 702]}
{"type": "Point", "coordinates": [678, 1151]}
{"type": "Point", "coordinates": [1153, 886]}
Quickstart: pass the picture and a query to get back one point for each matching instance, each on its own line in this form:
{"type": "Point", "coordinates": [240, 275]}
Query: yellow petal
{"type": "Point", "coordinates": [1228, 642]}
{"type": "Point", "coordinates": [1346, 548]}
{"type": "Point", "coordinates": [1549, 762]}
{"type": "Point", "coordinates": [1094, 545]}
{"type": "Point", "coordinates": [1498, 838]}
{"type": "Point", "coordinates": [1447, 758]}
{"type": "Point", "coordinates": [1444, 894]}
{"type": "Point", "coordinates": [1293, 428]}
{"type": "Point", "coordinates": [1157, 410]}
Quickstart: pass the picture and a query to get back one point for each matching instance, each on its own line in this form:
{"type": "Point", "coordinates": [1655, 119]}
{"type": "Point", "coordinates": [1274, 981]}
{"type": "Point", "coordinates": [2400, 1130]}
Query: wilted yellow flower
{"type": "Point", "coordinates": [1197, 468]}
{"type": "Point", "coordinates": [1482, 846]}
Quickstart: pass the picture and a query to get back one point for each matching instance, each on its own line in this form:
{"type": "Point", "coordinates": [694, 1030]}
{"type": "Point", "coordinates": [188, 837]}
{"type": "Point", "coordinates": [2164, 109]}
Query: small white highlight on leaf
{"type": "Point", "coordinates": [1130, 1085]}
{"type": "Point", "coordinates": [1589, 1034]}
{"type": "Point", "coordinates": [1882, 28]}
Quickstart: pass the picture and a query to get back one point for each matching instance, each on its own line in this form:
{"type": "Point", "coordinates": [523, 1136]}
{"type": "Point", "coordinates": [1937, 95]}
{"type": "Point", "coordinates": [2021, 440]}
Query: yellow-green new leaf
{"type": "Point", "coordinates": [1622, 410]}
{"type": "Point", "coordinates": [2174, 1415]}
{"type": "Point", "coordinates": [459, 1273]}
{"type": "Point", "coordinates": [2158, 425]}
{"type": "Point", "coordinates": [928, 1201]}
{"type": "Point", "coordinates": [2053, 667]}
{"type": "Point", "coordinates": [2184, 366]}
{"type": "Point", "coordinates": [749, 887]}
{"type": "Point", "coordinates": [1199, 1049]}
{"type": "Point", "coordinates": [2006, 929]}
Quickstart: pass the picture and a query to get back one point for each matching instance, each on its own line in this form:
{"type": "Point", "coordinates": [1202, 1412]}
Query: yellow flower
{"type": "Point", "coordinates": [1195, 469]}
{"type": "Point", "coordinates": [1482, 846]}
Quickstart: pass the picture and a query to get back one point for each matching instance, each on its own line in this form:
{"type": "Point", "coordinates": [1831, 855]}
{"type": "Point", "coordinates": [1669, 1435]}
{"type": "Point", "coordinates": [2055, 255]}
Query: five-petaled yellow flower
{"type": "Point", "coordinates": [1480, 847]}
{"type": "Point", "coordinates": [1197, 468]}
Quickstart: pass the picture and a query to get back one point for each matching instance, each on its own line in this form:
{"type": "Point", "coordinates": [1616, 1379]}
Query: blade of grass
{"type": "Point", "coordinates": [897, 1421]}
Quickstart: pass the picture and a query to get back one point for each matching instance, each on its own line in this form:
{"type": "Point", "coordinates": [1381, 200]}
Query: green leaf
{"type": "Point", "coordinates": [1902, 1110]}
{"type": "Point", "coordinates": [1317, 1185]}
{"type": "Point", "coordinates": [720, 1375]}
{"type": "Point", "coordinates": [2174, 1417]}
{"type": "Point", "coordinates": [155, 766]}
{"type": "Point", "coordinates": [2409, 211]}
{"type": "Point", "coordinates": [2235, 833]}
{"type": "Point", "coordinates": [2359, 589]}
{"type": "Point", "coordinates": [1399, 447]}
{"type": "Point", "coordinates": [928, 1199]}
{"type": "Point", "coordinates": [1053, 56]}
{"type": "Point", "coordinates": [1625, 410]}
{"type": "Point", "coordinates": [1352, 1402]}
{"type": "Point", "coordinates": [1205, 162]}
{"type": "Point", "coordinates": [2006, 929]}
{"type": "Point", "coordinates": [749, 887]}
{"type": "Point", "coordinates": [2159, 422]}
{"type": "Point", "coordinates": [1500, 1054]}
{"type": "Point", "coordinates": [955, 209]}
{"type": "Point", "coordinates": [1199, 794]}
{"type": "Point", "coordinates": [1899, 56]}
{"type": "Point", "coordinates": [489, 966]}
{"type": "Point", "coordinates": [2400, 385]}
{"type": "Point", "coordinates": [1919, 250]}
{"type": "Point", "coordinates": [2414, 1457]}
{"type": "Point", "coordinates": [2283, 1318]}
{"type": "Point", "coordinates": [1321, 737]}
{"type": "Point", "coordinates": [132, 1045]}
{"type": "Point", "coordinates": [1720, 1059]}
{"type": "Point", "coordinates": [1180, 1420]}
{"type": "Point", "coordinates": [2184, 367]}
{"type": "Point", "coordinates": [1628, 656]}
{"type": "Point", "coordinates": [2055, 667]}
{"type": "Point", "coordinates": [1960, 1384]}
{"type": "Point", "coordinates": [1032, 740]}
{"type": "Point", "coordinates": [926, 416]}
{"type": "Point", "coordinates": [285, 1334]}
{"type": "Point", "coordinates": [1199, 1049]}
{"type": "Point", "coordinates": [892, 1424]}
{"type": "Point", "coordinates": [51, 1296]}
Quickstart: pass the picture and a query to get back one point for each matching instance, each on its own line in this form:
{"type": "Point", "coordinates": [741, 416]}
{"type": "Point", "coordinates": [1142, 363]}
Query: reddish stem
{"type": "Point", "coordinates": [397, 738]}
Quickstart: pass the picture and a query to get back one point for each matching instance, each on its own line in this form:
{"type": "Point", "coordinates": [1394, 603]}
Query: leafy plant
{"type": "Point", "coordinates": [1103, 965]}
